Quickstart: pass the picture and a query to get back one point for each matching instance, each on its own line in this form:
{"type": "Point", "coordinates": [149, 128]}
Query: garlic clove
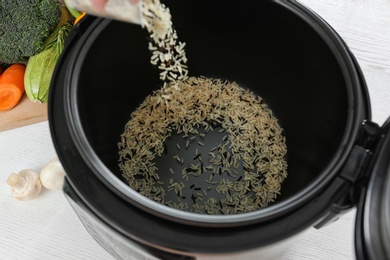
{"type": "Point", "coordinates": [53, 175]}
{"type": "Point", "coordinates": [25, 185]}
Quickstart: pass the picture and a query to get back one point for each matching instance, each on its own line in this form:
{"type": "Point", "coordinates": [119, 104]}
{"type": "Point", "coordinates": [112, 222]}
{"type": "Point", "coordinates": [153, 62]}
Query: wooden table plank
{"type": "Point", "coordinates": [25, 113]}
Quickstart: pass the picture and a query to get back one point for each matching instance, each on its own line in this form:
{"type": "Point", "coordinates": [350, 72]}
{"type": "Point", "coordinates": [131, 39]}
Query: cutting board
{"type": "Point", "coordinates": [25, 113]}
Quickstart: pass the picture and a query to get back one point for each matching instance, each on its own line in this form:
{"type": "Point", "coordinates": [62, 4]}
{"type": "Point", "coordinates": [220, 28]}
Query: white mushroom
{"type": "Point", "coordinates": [53, 175]}
{"type": "Point", "coordinates": [25, 185]}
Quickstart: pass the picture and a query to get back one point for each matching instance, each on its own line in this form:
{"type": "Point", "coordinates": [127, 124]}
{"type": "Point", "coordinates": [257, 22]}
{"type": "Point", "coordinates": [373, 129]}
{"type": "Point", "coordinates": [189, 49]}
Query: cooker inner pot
{"type": "Point", "coordinates": [270, 50]}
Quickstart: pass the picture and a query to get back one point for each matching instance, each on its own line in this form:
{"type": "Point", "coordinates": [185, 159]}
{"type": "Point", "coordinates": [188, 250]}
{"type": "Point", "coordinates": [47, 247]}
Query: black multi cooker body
{"type": "Point", "coordinates": [337, 157]}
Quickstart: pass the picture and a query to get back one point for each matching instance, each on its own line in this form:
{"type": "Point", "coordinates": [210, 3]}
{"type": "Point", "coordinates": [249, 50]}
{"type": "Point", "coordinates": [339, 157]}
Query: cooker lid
{"type": "Point", "coordinates": [372, 240]}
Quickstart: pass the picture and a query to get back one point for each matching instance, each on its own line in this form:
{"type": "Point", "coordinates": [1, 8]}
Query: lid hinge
{"type": "Point", "coordinates": [356, 164]}
{"type": "Point", "coordinates": [369, 134]}
{"type": "Point", "coordinates": [356, 169]}
{"type": "Point", "coordinates": [351, 173]}
{"type": "Point", "coordinates": [355, 172]}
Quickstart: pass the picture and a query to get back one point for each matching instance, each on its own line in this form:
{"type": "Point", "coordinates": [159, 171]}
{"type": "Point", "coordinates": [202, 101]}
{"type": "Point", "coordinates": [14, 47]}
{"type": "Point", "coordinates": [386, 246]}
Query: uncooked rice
{"type": "Point", "coordinates": [241, 173]}
{"type": "Point", "coordinates": [168, 54]}
{"type": "Point", "coordinates": [244, 172]}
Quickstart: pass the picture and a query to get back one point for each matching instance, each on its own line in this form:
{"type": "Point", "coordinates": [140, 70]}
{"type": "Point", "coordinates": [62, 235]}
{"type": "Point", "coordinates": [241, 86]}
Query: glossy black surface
{"type": "Point", "coordinates": [297, 64]}
{"type": "Point", "coordinates": [372, 239]}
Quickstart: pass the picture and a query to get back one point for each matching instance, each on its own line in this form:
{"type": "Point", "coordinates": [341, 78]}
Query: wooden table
{"type": "Point", "coordinates": [25, 113]}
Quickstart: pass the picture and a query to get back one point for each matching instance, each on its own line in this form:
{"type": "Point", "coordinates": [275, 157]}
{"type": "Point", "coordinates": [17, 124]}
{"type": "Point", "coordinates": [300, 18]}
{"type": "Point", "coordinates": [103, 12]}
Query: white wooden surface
{"type": "Point", "coordinates": [47, 228]}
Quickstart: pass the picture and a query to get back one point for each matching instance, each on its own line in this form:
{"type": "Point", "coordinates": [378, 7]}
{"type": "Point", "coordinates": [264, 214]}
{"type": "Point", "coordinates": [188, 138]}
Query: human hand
{"type": "Point", "coordinates": [99, 4]}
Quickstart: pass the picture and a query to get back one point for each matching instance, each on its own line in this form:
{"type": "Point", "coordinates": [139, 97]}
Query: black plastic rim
{"type": "Point", "coordinates": [372, 239]}
{"type": "Point", "coordinates": [77, 156]}
{"type": "Point", "coordinates": [270, 212]}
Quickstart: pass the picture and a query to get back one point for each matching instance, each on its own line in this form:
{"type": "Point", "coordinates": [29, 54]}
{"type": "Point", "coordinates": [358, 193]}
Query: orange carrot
{"type": "Point", "coordinates": [11, 86]}
{"type": "Point", "coordinates": [78, 19]}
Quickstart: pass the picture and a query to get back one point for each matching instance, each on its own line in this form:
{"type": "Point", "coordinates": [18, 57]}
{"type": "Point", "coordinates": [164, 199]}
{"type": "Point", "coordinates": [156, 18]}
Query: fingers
{"type": "Point", "coordinates": [98, 5]}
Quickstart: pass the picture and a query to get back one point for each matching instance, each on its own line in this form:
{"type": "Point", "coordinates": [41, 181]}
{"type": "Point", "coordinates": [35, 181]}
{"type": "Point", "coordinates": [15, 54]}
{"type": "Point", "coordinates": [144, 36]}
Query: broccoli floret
{"type": "Point", "coordinates": [24, 25]}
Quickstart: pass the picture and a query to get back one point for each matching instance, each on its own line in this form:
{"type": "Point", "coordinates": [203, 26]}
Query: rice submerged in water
{"type": "Point", "coordinates": [197, 144]}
